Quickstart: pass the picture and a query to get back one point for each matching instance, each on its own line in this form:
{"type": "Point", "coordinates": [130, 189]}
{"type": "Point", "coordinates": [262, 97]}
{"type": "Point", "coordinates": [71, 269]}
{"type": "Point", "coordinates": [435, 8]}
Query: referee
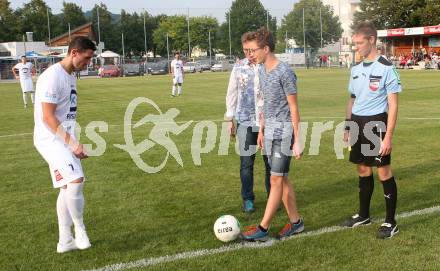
{"type": "Point", "coordinates": [371, 119]}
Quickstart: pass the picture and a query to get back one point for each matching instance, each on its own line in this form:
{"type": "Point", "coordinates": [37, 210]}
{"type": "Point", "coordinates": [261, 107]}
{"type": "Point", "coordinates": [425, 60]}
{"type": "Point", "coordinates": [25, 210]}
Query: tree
{"type": "Point", "coordinates": [280, 47]}
{"type": "Point", "coordinates": [293, 24]}
{"type": "Point", "coordinates": [246, 15]}
{"type": "Point", "coordinates": [73, 14]}
{"type": "Point", "coordinates": [199, 31]}
{"type": "Point", "coordinates": [8, 23]}
{"type": "Point", "coordinates": [110, 37]}
{"type": "Point", "coordinates": [430, 14]}
{"type": "Point", "coordinates": [151, 24]}
{"type": "Point", "coordinates": [398, 13]}
{"type": "Point", "coordinates": [33, 18]}
{"type": "Point", "coordinates": [176, 29]}
{"type": "Point", "coordinates": [132, 23]}
{"type": "Point", "coordinates": [56, 25]}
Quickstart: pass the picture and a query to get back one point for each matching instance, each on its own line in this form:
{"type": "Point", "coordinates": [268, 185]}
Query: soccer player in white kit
{"type": "Point", "coordinates": [25, 71]}
{"type": "Point", "coordinates": [177, 74]}
{"type": "Point", "coordinates": [55, 116]}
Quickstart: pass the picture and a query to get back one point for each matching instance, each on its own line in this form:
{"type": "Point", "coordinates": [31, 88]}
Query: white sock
{"type": "Point", "coordinates": [173, 92]}
{"type": "Point", "coordinates": [33, 97]}
{"type": "Point", "coordinates": [75, 204]}
{"type": "Point", "coordinates": [64, 219]}
{"type": "Point", "coordinates": [180, 89]}
{"type": "Point", "coordinates": [24, 99]}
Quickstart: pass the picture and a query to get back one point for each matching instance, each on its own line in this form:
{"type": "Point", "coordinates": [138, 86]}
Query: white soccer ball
{"type": "Point", "coordinates": [226, 228]}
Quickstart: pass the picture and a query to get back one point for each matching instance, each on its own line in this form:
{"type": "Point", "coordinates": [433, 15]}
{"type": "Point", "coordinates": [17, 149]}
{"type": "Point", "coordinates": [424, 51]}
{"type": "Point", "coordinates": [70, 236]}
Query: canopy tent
{"type": "Point", "coordinates": [108, 54]}
{"type": "Point", "coordinates": [109, 57]}
{"type": "Point", "coordinates": [33, 54]}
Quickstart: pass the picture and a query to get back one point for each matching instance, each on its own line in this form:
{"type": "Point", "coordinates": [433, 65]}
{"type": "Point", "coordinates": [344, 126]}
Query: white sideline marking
{"type": "Point", "coordinates": [111, 125]}
{"type": "Point", "coordinates": [228, 248]}
{"type": "Point", "coordinates": [219, 120]}
{"type": "Point", "coordinates": [12, 135]}
{"type": "Point", "coordinates": [422, 118]}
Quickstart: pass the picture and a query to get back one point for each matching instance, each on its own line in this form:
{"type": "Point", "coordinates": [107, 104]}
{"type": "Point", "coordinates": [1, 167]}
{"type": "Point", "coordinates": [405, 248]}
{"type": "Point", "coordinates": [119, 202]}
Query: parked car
{"type": "Point", "coordinates": [132, 69]}
{"type": "Point", "coordinates": [159, 68]}
{"type": "Point", "coordinates": [191, 67]}
{"type": "Point", "coordinates": [89, 71]}
{"type": "Point", "coordinates": [109, 71]}
{"type": "Point", "coordinates": [205, 66]}
{"type": "Point", "coordinates": [148, 66]}
{"type": "Point", "coordinates": [217, 67]}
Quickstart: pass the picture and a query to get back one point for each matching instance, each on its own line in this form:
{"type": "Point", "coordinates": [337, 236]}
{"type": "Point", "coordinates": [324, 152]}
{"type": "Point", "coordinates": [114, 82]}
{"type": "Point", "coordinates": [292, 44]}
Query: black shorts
{"type": "Point", "coordinates": [365, 144]}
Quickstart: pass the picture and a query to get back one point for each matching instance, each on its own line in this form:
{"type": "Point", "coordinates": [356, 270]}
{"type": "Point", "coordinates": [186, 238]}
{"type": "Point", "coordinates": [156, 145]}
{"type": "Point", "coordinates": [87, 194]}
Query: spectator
{"type": "Point", "coordinates": [324, 60]}
{"type": "Point", "coordinates": [402, 62]}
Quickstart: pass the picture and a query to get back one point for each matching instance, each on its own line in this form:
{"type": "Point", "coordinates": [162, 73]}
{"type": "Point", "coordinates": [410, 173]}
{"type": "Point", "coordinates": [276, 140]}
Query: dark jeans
{"type": "Point", "coordinates": [247, 138]}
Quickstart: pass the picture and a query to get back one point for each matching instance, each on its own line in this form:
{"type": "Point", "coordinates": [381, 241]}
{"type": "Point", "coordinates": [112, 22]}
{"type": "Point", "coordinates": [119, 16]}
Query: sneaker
{"type": "Point", "coordinates": [356, 221]}
{"type": "Point", "coordinates": [82, 240]}
{"type": "Point", "coordinates": [291, 229]}
{"type": "Point", "coordinates": [248, 206]}
{"type": "Point", "coordinates": [62, 248]}
{"type": "Point", "coordinates": [172, 96]}
{"type": "Point", "coordinates": [254, 233]}
{"type": "Point", "coordinates": [387, 231]}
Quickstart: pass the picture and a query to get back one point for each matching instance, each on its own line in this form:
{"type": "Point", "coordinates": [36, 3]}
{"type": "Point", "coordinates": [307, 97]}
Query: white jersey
{"type": "Point", "coordinates": [24, 70]}
{"type": "Point", "coordinates": [177, 66]}
{"type": "Point", "coordinates": [55, 86]}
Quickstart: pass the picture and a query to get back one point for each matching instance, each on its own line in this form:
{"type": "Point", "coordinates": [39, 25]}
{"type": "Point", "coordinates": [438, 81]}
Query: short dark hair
{"type": "Point", "coordinates": [177, 53]}
{"type": "Point", "coordinates": [81, 44]}
{"type": "Point", "coordinates": [366, 28]}
{"type": "Point", "coordinates": [262, 36]}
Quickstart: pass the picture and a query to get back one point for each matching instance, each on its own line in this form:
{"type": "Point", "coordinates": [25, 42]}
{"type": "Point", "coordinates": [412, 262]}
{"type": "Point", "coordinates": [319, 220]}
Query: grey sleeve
{"type": "Point", "coordinates": [288, 82]}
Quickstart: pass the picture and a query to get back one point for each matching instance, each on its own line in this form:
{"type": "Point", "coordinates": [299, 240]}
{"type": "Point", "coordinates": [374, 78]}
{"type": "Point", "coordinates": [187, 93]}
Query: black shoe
{"type": "Point", "coordinates": [356, 221]}
{"type": "Point", "coordinates": [387, 231]}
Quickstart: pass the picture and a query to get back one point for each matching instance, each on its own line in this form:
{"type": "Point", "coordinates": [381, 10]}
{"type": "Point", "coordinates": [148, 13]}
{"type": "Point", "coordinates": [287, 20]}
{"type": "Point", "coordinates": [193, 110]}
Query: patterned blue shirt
{"type": "Point", "coordinates": [244, 100]}
{"type": "Point", "coordinates": [276, 85]}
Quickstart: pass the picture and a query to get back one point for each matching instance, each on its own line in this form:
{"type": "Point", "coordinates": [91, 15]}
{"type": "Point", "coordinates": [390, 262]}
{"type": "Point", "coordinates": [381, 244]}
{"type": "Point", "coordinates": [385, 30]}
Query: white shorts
{"type": "Point", "coordinates": [178, 79]}
{"type": "Point", "coordinates": [27, 85]}
{"type": "Point", "coordinates": [64, 167]}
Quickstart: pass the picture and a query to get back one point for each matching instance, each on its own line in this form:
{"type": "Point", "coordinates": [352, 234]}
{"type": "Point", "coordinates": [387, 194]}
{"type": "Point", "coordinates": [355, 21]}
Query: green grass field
{"type": "Point", "coordinates": [132, 215]}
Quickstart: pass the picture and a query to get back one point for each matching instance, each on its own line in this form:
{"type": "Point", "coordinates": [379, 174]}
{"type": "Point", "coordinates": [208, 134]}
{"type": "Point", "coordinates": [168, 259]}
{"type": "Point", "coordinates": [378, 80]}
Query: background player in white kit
{"type": "Point", "coordinates": [55, 116]}
{"type": "Point", "coordinates": [25, 72]}
{"type": "Point", "coordinates": [177, 74]}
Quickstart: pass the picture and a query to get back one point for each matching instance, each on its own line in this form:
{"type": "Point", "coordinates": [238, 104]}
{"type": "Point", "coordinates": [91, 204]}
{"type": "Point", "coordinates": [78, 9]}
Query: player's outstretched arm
{"type": "Point", "coordinates": [13, 71]}
{"type": "Point", "coordinates": [294, 113]}
{"type": "Point", "coordinates": [231, 102]}
{"type": "Point", "coordinates": [54, 124]}
{"type": "Point", "coordinates": [172, 69]}
{"type": "Point", "coordinates": [348, 111]}
{"type": "Point", "coordinates": [349, 108]}
{"type": "Point", "coordinates": [391, 124]}
{"type": "Point", "coordinates": [260, 138]}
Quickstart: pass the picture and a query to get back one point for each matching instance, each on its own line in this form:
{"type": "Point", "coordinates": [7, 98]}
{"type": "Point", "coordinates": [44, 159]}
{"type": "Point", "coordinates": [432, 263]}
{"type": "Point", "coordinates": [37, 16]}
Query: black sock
{"type": "Point", "coordinates": [262, 229]}
{"type": "Point", "coordinates": [366, 187]}
{"type": "Point", "coordinates": [390, 194]}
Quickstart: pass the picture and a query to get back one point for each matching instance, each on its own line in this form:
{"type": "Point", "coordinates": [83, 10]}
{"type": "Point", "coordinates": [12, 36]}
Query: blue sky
{"type": "Point", "coordinates": [217, 9]}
